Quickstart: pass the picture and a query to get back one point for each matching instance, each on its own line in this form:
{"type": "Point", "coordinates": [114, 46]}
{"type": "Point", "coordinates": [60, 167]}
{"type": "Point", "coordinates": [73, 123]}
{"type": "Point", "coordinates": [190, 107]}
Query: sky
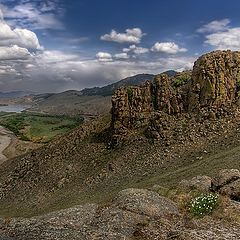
{"type": "Point", "coordinates": [58, 45]}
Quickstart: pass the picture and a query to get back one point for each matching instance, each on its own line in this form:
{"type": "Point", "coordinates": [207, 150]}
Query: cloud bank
{"type": "Point", "coordinates": [26, 65]}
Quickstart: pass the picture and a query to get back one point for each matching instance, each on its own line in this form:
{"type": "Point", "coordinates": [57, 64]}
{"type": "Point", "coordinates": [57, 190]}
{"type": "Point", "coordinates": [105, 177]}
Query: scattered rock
{"type": "Point", "coordinates": [227, 182]}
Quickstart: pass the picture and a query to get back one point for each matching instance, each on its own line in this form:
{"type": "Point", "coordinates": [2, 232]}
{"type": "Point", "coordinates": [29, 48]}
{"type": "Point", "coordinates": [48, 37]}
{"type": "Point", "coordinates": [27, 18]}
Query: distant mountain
{"type": "Point", "coordinates": [15, 94]}
{"type": "Point", "coordinates": [109, 89]}
{"type": "Point", "coordinates": [129, 81]}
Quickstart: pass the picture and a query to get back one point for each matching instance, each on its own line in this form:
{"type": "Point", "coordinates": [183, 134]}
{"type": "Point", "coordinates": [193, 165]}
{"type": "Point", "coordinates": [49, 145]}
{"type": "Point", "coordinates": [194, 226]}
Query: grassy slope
{"type": "Point", "coordinates": [70, 171]}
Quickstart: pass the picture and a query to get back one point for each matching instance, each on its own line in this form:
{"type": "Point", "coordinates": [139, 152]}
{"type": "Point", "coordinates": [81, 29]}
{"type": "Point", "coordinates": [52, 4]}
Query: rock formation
{"type": "Point", "coordinates": [212, 86]}
{"type": "Point", "coordinates": [131, 104]}
{"type": "Point", "coordinates": [132, 107]}
{"type": "Point", "coordinates": [226, 182]}
{"type": "Point", "coordinates": [215, 80]}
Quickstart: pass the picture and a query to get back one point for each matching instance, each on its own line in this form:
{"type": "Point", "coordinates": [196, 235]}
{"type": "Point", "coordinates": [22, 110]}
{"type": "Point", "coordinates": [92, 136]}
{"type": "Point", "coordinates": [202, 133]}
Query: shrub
{"type": "Point", "coordinates": [181, 78]}
{"type": "Point", "coordinates": [130, 94]}
{"type": "Point", "coordinates": [204, 204]}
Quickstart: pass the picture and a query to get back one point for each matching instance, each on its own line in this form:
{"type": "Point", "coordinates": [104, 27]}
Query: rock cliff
{"type": "Point", "coordinates": [215, 80]}
{"type": "Point", "coordinates": [212, 86]}
{"type": "Point", "coordinates": [132, 107]}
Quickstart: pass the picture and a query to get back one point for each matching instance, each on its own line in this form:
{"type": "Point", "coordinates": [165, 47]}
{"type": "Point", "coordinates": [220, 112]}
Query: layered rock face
{"type": "Point", "coordinates": [213, 85]}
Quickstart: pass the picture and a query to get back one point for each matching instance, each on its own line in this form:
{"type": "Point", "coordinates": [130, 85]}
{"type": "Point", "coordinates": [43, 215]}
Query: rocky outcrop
{"type": "Point", "coordinates": [215, 80]}
{"type": "Point", "coordinates": [226, 182]}
{"type": "Point", "coordinates": [232, 190]}
{"type": "Point", "coordinates": [225, 177]}
{"type": "Point", "coordinates": [211, 89]}
{"type": "Point", "coordinates": [133, 107]}
{"type": "Point", "coordinates": [134, 214]}
{"type": "Point", "coordinates": [165, 96]}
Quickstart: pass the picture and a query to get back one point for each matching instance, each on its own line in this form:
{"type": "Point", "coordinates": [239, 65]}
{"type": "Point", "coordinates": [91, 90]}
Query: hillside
{"type": "Point", "coordinates": [15, 94]}
{"type": "Point", "coordinates": [71, 103]}
{"type": "Point", "coordinates": [162, 133]}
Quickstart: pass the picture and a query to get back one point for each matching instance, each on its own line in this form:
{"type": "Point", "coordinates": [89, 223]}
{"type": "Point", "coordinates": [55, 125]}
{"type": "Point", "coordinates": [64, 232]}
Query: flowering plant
{"type": "Point", "coordinates": [204, 204]}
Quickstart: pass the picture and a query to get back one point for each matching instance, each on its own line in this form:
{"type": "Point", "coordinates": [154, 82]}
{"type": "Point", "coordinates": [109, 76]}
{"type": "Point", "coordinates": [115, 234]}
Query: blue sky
{"type": "Point", "coordinates": [56, 45]}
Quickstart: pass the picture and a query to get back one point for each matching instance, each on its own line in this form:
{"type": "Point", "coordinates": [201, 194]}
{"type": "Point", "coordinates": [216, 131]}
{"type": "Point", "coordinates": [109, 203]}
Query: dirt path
{"type": "Point", "coordinates": [5, 140]}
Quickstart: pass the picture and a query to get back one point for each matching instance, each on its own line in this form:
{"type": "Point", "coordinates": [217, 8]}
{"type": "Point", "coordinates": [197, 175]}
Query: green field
{"type": "Point", "coordinates": [38, 128]}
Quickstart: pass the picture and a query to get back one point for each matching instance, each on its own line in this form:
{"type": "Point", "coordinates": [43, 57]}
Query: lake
{"type": "Point", "coordinates": [13, 108]}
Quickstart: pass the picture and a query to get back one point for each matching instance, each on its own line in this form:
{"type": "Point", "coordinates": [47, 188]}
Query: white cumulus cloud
{"type": "Point", "coordinates": [104, 57]}
{"type": "Point", "coordinates": [214, 26]}
{"type": "Point", "coordinates": [27, 39]}
{"type": "Point", "coordinates": [167, 47]}
{"type": "Point", "coordinates": [229, 39]}
{"type": "Point", "coordinates": [220, 35]}
{"type": "Point", "coordinates": [133, 35]}
{"type": "Point", "coordinates": [20, 37]}
{"type": "Point", "coordinates": [5, 31]}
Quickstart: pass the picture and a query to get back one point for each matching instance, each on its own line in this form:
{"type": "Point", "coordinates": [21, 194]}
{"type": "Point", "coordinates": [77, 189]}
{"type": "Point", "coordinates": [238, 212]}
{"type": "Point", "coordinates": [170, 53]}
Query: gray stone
{"type": "Point", "coordinates": [225, 177]}
{"type": "Point", "coordinates": [232, 190]}
{"type": "Point", "coordinates": [145, 202]}
{"type": "Point", "coordinates": [200, 183]}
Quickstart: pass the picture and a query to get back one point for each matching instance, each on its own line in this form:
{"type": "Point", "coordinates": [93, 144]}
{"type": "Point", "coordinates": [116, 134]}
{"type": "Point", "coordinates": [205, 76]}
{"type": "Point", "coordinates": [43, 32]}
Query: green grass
{"type": "Point", "coordinates": [38, 127]}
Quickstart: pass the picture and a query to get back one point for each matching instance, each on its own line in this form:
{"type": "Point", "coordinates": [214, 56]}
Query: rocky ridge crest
{"type": "Point", "coordinates": [211, 89]}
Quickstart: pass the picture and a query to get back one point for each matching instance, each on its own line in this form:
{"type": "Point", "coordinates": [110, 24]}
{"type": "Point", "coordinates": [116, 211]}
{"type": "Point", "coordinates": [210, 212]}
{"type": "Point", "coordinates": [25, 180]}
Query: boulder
{"type": "Point", "coordinates": [200, 183]}
{"type": "Point", "coordinates": [145, 202]}
{"type": "Point", "coordinates": [232, 190]}
{"type": "Point", "coordinates": [225, 177]}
